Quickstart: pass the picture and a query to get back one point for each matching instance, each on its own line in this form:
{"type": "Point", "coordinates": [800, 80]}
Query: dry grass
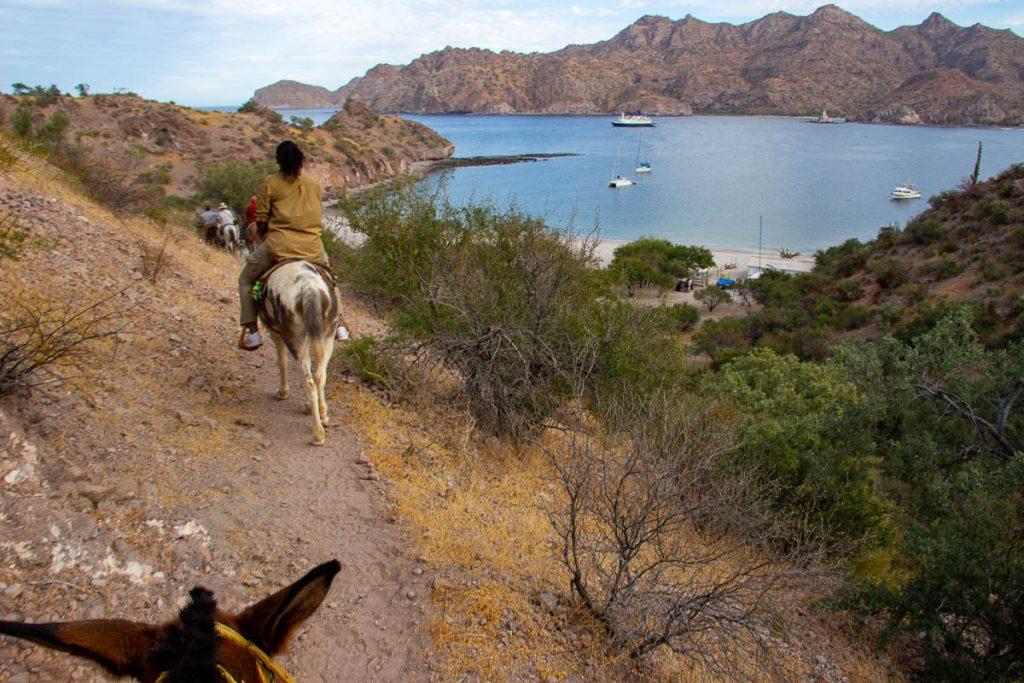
{"type": "Point", "coordinates": [476, 510]}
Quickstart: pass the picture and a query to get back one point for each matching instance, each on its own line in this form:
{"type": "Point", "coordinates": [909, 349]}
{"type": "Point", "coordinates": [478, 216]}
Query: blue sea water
{"type": "Point", "coordinates": [716, 179]}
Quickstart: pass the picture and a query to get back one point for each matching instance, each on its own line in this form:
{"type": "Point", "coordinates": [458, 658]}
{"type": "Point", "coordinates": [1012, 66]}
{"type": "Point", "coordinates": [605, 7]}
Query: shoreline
{"type": "Point", "coordinates": [728, 262]}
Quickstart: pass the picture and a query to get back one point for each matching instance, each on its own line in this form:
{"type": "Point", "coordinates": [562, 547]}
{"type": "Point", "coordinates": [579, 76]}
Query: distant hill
{"type": "Point", "coordinates": [934, 73]}
{"type": "Point", "coordinates": [166, 141]}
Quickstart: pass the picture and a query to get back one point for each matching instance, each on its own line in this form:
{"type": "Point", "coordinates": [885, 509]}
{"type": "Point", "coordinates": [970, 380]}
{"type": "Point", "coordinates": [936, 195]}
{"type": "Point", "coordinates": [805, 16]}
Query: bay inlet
{"type": "Point", "coordinates": [714, 178]}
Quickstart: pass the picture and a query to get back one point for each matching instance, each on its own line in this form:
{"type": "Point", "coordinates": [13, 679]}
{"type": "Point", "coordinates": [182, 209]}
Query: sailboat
{"type": "Point", "coordinates": [618, 180]}
{"type": "Point", "coordinates": [641, 166]}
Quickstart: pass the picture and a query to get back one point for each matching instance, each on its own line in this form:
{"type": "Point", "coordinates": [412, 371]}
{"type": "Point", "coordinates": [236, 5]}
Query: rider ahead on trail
{"type": "Point", "coordinates": [289, 216]}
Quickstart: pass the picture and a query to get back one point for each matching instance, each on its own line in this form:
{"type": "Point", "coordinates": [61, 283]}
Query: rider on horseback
{"type": "Point", "coordinates": [289, 216]}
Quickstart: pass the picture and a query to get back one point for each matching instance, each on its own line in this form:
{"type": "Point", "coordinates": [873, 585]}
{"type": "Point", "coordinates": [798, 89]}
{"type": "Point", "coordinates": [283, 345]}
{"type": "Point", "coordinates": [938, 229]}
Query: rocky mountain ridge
{"type": "Point", "coordinates": [782, 64]}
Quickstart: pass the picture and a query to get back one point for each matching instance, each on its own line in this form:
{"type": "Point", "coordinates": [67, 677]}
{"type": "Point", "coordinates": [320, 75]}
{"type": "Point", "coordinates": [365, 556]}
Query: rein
{"type": "Point", "coordinates": [264, 664]}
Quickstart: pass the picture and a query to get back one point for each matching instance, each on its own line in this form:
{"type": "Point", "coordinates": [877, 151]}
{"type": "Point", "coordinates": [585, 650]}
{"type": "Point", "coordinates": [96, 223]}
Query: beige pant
{"type": "Point", "coordinates": [256, 263]}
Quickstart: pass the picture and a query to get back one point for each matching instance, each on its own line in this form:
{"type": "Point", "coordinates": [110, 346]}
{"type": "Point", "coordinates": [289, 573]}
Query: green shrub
{"type": "Point", "coordinates": [802, 428]}
{"type": "Point", "coordinates": [232, 182]}
{"type": "Point", "coordinates": [51, 132]}
{"type": "Point", "coordinates": [941, 268]}
{"type": "Point", "coordinates": [681, 317]}
{"type": "Point", "coordinates": [711, 297]}
{"type": "Point", "coordinates": [675, 260]}
{"type": "Point", "coordinates": [923, 231]}
{"type": "Point", "coordinates": [158, 175]}
{"type": "Point", "coordinates": [634, 274]}
{"type": "Point", "coordinates": [723, 340]}
{"type": "Point", "coordinates": [889, 272]}
{"type": "Point", "coordinates": [841, 261]}
{"type": "Point", "coordinates": [21, 122]}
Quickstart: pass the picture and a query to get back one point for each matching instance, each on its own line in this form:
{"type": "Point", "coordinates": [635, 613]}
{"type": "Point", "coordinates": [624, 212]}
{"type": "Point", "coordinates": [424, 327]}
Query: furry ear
{"type": "Point", "coordinates": [119, 646]}
{"type": "Point", "coordinates": [270, 622]}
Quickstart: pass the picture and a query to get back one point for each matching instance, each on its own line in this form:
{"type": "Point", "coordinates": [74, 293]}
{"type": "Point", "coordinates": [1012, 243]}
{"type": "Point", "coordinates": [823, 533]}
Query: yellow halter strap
{"type": "Point", "coordinates": [264, 664]}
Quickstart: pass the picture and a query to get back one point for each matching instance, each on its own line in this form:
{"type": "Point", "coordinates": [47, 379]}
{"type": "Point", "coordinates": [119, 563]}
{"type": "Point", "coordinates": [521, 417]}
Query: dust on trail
{"type": "Point", "coordinates": [372, 626]}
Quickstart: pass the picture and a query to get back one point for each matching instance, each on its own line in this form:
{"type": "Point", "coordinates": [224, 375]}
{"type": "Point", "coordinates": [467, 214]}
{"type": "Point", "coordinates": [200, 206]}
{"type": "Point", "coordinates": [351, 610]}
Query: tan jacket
{"type": "Point", "coordinates": [293, 211]}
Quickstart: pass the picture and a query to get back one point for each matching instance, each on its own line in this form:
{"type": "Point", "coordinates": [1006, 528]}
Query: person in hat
{"type": "Point", "coordinates": [289, 220]}
{"type": "Point", "coordinates": [225, 216]}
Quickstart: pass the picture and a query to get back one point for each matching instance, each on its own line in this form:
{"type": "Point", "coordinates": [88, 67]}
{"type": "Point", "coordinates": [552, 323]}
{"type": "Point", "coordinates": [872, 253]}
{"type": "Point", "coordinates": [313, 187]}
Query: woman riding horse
{"type": "Point", "coordinates": [289, 216]}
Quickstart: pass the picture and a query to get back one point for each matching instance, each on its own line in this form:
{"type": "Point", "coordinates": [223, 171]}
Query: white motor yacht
{"type": "Point", "coordinates": [905, 191]}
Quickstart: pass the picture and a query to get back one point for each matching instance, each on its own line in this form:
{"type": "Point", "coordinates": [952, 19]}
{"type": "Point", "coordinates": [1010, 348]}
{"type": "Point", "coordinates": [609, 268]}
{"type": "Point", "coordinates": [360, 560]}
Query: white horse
{"type": "Point", "coordinates": [300, 309]}
{"type": "Point", "coordinates": [227, 233]}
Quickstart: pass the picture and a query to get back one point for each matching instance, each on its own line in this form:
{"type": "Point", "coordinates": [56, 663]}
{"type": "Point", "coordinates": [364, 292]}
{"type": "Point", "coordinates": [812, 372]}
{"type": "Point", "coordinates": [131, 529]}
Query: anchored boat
{"type": "Point", "coordinates": [633, 121]}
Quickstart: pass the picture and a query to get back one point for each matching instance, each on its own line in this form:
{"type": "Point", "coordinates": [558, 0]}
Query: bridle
{"type": "Point", "coordinates": [269, 671]}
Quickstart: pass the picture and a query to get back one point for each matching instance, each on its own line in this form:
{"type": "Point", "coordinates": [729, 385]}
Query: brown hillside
{"type": "Point", "coordinates": [141, 135]}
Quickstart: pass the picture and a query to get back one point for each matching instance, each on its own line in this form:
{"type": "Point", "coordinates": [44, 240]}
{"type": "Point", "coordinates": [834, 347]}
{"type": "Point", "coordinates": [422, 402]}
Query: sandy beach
{"type": "Point", "coordinates": [731, 263]}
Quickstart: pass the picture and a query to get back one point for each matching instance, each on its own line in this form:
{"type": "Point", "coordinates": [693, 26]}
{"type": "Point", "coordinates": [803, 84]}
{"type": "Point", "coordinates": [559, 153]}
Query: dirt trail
{"type": "Point", "coordinates": [169, 464]}
{"type": "Point", "coordinates": [372, 625]}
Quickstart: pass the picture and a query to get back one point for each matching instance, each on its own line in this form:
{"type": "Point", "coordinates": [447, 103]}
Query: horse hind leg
{"type": "Point", "coordinates": [282, 365]}
{"type": "Point", "coordinates": [322, 350]}
{"type": "Point", "coordinates": [312, 392]}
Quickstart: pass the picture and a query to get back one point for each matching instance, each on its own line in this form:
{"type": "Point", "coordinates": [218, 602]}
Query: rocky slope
{"type": "Point", "coordinates": [936, 73]}
{"type": "Point", "coordinates": [170, 143]}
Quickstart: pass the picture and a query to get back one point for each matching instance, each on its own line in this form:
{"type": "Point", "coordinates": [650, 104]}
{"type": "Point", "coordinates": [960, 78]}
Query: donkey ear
{"type": "Point", "coordinates": [119, 646]}
{"type": "Point", "coordinates": [270, 622]}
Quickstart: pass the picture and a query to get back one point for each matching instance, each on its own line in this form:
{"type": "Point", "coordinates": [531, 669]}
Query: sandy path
{"type": "Point", "coordinates": [321, 502]}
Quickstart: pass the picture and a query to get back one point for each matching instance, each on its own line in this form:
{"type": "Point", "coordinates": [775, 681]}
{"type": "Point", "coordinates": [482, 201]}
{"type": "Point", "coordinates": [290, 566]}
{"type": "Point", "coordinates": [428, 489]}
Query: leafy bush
{"type": "Point", "coordinates": [950, 434]}
{"type": "Point", "coordinates": [712, 297]}
{"type": "Point", "coordinates": [681, 317]}
{"type": "Point", "coordinates": [923, 231]}
{"type": "Point", "coordinates": [723, 340]}
{"type": "Point", "coordinates": [507, 305]}
{"type": "Point", "coordinates": [674, 260]}
{"type": "Point", "coordinates": [801, 427]}
{"type": "Point", "coordinates": [52, 131]}
{"type": "Point", "coordinates": [232, 182]}
{"type": "Point", "coordinates": [303, 123]}
{"type": "Point", "coordinates": [889, 272]}
{"type": "Point", "coordinates": [841, 261]}
{"type": "Point", "coordinates": [21, 122]}
{"type": "Point", "coordinates": [634, 274]}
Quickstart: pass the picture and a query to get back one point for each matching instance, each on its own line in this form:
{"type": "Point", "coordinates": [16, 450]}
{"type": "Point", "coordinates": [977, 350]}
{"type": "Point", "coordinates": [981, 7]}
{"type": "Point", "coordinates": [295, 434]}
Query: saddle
{"type": "Point", "coordinates": [259, 291]}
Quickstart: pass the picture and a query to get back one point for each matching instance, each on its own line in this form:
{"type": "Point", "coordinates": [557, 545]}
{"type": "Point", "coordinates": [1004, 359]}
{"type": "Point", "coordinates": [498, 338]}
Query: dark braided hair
{"type": "Point", "coordinates": [290, 159]}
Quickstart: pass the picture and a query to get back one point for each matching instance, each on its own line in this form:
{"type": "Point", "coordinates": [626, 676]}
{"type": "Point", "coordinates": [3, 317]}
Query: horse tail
{"type": "Point", "coordinates": [312, 315]}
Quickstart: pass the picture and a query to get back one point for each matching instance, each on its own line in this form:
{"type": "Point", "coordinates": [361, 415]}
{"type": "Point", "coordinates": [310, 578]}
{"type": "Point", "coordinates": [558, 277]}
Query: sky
{"type": "Point", "coordinates": [218, 52]}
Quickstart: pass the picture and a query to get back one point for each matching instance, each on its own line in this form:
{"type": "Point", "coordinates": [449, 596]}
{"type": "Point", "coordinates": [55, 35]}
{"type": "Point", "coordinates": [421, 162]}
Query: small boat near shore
{"type": "Point", "coordinates": [618, 180]}
{"type": "Point", "coordinates": [905, 191]}
{"type": "Point", "coordinates": [633, 121]}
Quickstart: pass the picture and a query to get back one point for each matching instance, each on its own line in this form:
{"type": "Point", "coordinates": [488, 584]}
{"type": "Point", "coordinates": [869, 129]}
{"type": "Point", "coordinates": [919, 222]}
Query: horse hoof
{"type": "Point", "coordinates": [318, 440]}
{"type": "Point", "coordinates": [281, 394]}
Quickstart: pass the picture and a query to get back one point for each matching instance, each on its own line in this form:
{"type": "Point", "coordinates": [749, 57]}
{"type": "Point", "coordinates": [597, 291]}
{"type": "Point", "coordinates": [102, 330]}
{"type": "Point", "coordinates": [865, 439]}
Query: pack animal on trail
{"type": "Point", "coordinates": [203, 645]}
{"type": "Point", "coordinates": [298, 303]}
{"type": "Point", "coordinates": [228, 235]}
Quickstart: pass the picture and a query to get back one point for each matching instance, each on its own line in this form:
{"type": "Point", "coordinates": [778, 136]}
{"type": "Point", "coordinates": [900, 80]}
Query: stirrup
{"type": "Point", "coordinates": [250, 341]}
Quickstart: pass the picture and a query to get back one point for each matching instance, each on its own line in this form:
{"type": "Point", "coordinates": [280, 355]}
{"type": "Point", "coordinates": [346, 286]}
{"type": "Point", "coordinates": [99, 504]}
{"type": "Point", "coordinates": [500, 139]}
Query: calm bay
{"type": "Point", "coordinates": [716, 178]}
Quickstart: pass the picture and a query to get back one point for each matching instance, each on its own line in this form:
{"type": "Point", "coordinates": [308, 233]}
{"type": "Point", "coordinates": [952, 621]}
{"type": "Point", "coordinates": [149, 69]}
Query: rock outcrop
{"type": "Point", "coordinates": [939, 72]}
